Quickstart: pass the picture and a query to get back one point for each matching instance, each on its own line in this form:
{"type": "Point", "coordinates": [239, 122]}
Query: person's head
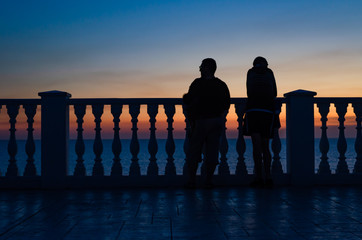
{"type": "Point", "coordinates": [208, 67]}
{"type": "Point", "coordinates": [260, 62]}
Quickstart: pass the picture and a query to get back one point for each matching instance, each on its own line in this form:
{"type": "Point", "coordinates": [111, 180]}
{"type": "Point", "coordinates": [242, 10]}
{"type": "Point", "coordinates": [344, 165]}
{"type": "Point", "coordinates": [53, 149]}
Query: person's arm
{"type": "Point", "coordinates": [247, 83]}
{"type": "Point", "coordinates": [187, 97]}
{"type": "Point", "coordinates": [226, 97]}
{"type": "Point", "coordinates": [189, 102]}
{"type": "Point", "coordinates": [274, 85]}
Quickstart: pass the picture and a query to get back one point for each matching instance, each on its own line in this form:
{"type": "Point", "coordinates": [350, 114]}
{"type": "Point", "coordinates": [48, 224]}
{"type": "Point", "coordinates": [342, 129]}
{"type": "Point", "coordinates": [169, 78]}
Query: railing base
{"type": "Point", "coordinates": [109, 182]}
{"type": "Point", "coordinates": [20, 183]}
{"type": "Point", "coordinates": [338, 179]}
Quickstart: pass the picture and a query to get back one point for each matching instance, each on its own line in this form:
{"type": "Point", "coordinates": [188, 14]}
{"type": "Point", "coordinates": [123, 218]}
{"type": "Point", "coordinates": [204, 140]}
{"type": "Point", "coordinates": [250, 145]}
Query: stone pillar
{"type": "Point", "coordinates": [54, 138]}
{"type": "Point", "coordinates": [300, 136]}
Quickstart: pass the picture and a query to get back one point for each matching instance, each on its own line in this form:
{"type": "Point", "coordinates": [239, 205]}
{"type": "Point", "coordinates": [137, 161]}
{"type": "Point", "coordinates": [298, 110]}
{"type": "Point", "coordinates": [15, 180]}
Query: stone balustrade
{"type": "Point", "coordinates": [54, 172]}
{"type": "Point", "coordinates": [342, 172]}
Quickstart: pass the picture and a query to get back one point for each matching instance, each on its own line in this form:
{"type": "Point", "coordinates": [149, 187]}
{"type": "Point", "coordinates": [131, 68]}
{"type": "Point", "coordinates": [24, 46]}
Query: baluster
{"type": "Point", "coordinates": [240, 143]}
{"type": "Point", "coordinates": [324, 167]}
{"type": "Point", "coordinates": [79, 111]}
{"type": "Point", "coordinates": [186, 145]}
{"type": "Point", "coordinates": [98, 170]}
{"type": "Point", "coordinates": [276, 145]}
{"type": "Point", "coordinates": [152, 170]}
{"type": "Point", "coordinates": [30, 170]}
{"type": "Point", "coordinates": [342, 167]}
{"type": "Point", "coordinates": [13, 110]}
{"type": "Point", "coordinates": [357, 107]}
{"type": "Point", "coordinates": [134, 110]}
{"type": "Point", "coordinates": [116, 111]}
{"type": "Point", "coordinates": [224, 147]}
{"type": "Point", "coordinates": [170, 143]}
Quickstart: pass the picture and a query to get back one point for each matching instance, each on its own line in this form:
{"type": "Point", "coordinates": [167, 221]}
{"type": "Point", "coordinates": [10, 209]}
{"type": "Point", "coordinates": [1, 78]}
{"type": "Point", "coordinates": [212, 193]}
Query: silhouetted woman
{"type": "Point", "coordinates": [259, 117]}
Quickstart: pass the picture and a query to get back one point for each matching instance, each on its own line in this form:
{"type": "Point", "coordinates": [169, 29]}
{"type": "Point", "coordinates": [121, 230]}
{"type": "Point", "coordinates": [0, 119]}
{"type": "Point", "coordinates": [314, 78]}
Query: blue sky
{"type": "Point", "coordinates": [154, 48]}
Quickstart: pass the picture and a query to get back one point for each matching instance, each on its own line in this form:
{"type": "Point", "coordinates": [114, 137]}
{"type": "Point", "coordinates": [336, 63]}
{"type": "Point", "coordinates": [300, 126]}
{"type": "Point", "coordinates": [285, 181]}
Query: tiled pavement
{"type": "Point", "coordinates": [221, 213]}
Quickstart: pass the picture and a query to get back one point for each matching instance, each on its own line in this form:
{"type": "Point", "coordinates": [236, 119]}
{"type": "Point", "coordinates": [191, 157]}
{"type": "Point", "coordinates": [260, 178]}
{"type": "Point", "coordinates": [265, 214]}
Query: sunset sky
{"type": "Point", "coordinates": [139, 49]}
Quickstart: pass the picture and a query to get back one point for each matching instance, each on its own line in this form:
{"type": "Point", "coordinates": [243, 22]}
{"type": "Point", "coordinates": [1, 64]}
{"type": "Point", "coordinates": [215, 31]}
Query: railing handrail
{"type": "Point", "coordinates": [338, 100]}
{"type": "Point", "coordinates": [20, 101]}
{"type": "Point", "coordinates": [178, 101]}
{"type": "Point", "coordinates": [107, 101]}
{"type": "Point", "coordinates": [160, 101]}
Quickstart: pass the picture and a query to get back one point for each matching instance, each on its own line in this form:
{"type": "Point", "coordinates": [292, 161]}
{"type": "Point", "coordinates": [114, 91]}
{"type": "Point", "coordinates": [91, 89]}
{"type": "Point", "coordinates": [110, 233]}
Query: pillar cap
{"type": "Point", "coordinates": [300, 92]}
{"type": "Point", "coordinates": [54, 93]}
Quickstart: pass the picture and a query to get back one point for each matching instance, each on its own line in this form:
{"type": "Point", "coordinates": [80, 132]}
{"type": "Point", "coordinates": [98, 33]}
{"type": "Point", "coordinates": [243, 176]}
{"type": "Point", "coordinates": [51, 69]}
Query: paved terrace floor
{"type": "Point", "coordinates": [221, 213]}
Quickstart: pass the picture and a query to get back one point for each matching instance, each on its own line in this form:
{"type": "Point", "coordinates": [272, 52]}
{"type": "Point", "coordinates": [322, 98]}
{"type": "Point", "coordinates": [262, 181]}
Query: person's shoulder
{"type": "Point", "coordinates": [269, 70]}
{"type": "Point", "coordinates": [221, 82]}
{"type": "Point", "coordinates": [250, 71]}
{"type": "Point", "coordinates": [196, 81]}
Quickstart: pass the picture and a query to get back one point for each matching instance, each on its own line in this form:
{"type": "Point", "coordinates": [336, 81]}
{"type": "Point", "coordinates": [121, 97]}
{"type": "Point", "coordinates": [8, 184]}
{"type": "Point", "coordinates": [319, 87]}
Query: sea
{"type": "Point", "coordinates": [179, 155]}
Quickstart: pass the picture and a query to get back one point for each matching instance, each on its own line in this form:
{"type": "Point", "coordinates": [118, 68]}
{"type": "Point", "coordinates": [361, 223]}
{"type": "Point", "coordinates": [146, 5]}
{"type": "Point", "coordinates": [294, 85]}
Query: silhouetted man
{"type": "Point", "coordinates": [205, 103]}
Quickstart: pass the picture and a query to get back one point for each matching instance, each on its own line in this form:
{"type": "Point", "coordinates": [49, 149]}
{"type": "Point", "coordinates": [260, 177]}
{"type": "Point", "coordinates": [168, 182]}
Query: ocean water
{"type": "Point", "coordinates": [179, 156]}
